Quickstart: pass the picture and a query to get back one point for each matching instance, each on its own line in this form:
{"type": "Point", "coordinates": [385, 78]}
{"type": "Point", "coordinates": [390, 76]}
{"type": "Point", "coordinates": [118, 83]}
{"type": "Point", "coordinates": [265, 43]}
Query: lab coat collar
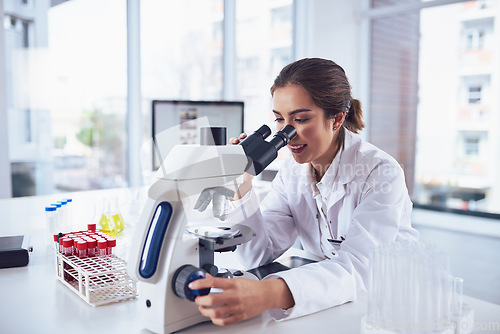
{"type": "Point", "coordinates": [346, 166]}
{"type": "Point", "coordinates": [315, 187]}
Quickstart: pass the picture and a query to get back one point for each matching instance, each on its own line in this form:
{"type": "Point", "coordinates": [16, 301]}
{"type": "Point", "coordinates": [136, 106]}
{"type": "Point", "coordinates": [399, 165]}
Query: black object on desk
{"type": "Point", "coordinates": [14, 251]}
{"type": "Point", "coordinates": [275, 267]}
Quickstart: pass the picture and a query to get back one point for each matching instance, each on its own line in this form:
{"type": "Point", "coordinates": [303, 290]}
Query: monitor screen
{"type": "Point", "coordinates": [182, 121]}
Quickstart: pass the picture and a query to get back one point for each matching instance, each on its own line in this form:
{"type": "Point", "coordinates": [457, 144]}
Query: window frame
{"type": "Point", "coordinates": [372, 14]}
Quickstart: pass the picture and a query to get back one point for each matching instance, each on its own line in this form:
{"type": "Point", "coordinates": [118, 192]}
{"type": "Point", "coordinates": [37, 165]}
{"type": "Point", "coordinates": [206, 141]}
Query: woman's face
{"type": "Point", "coordinates": [315, 141]}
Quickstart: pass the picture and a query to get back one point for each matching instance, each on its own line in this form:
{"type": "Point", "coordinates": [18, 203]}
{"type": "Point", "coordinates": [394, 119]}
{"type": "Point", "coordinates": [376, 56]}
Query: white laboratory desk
{"type": "Point", "coordinates": [32, 300]}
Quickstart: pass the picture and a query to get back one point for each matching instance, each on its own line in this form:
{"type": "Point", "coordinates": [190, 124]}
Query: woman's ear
{"type": "Point", "coordinates": [338, 120]}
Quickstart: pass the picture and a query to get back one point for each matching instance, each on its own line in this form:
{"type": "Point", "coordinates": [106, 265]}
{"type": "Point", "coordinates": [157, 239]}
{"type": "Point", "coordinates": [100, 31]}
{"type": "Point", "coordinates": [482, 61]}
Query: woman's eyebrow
{"type": "Point", "coordinates": [293, 112]}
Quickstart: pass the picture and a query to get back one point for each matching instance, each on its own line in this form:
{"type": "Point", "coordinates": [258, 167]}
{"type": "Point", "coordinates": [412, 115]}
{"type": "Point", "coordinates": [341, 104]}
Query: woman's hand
{"type": "Point", "coordinates": [241, 298]}
{"type": "Point", "coordinates": [245, 187]}
{"type": "Point", "coordinates": [234, 140]}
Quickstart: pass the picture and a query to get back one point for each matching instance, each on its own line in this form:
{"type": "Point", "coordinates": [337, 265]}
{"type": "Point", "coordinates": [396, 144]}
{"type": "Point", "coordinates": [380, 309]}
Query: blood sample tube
{"type": "Point", "coordinates": [102, 245]}
{"type": "Point", "coordinates": [111, 245]}
{"type": "Point", "coordinates": [91, 227]}
{"type": "Point", "coordinates": [91, 247]}
{"type": "Point", "coordinates": [59, 241]}
{"type": "Point", "coordinates": [81, 249]}
{"type": "Point", "coordinates": [67, 251]}
{"type": "Point", "coordinates": [75, 243]}
{"type": "Point", "coordinates": [68, 246]}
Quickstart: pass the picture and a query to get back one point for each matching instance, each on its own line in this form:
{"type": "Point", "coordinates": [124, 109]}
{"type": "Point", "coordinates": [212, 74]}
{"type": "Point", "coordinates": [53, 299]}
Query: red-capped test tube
{"type": "Point", "coordinates": [67, 246]}
{"type": "Point", "coordinates": [111, 245]}
{"type": "Point", "coordinates": [81, 249]}
{"type": "Point", "coordinates": [102, 245]}
{"type": "Point", "coordinates": [91, 227]}
{"type": "Point", "coordinates": [91, 247]}
{"type": "Point", "coordinates": [60, 237]}
{"type": "Point", "coordinates": [75, 242]}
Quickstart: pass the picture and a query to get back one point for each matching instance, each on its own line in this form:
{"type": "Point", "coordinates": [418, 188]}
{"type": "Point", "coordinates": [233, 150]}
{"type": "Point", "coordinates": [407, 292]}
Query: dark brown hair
{"type": "Point", "coordinates": [327, 84]}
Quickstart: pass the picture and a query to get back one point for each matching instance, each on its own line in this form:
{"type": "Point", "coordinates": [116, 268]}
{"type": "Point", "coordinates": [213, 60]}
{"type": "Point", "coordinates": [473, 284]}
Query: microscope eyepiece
{"type": "Point", "coordinates": [282, 137]}
{"type": "Point", "coordinates": [264, 131]}
{"type": "Point", "coordinates": [261, 153]}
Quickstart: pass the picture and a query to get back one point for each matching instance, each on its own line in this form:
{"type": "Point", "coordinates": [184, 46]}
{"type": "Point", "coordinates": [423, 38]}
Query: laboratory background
{"type": "Point", "coordinates": [78, 81]}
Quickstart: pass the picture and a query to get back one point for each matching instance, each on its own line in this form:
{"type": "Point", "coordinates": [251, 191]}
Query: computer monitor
{"type": "Point", "coordinates": [183, 119]}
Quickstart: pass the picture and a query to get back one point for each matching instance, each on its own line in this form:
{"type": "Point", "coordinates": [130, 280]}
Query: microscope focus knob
{"type": "Point", "coordinates": [185, 275]}
{"type": "Point", "coordinates": [211, 269]}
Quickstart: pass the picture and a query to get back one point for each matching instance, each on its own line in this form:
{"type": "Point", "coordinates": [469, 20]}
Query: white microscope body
{"type": "Point", "coordinates": [164, 257]}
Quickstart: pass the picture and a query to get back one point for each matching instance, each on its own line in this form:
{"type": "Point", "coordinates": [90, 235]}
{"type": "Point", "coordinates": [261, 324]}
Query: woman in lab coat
{"type": "Point", "coordinates": [340, 195]}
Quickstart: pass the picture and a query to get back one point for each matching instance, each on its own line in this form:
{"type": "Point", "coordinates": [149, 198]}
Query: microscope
{"type": "Point", "coordinates": [176, 236]}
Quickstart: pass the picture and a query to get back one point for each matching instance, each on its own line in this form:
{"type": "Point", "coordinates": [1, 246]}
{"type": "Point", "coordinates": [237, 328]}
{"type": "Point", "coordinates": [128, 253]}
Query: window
{"type": "Point", "coordinates": [74, 110]}
{"type": "Point", "coordinates": [474, 94]}
{"type": "Point", "coordinates": [475, 40]}
{"type": "Point", "coordinates": [480, 39]}
{"type": "Point", "coordinates": [454, 121]}
{"type": "Point", "coordinates": [66, 95]}
{"type": "Point", "coordinates": [449, 170]}
{"type": "Point", "coordinates": [186, 62]}
{"type": "Point", "coordinates": [476, 32]}
{"type": "Point", "coordinates": [471, 147]}
{"type": "Point", "coordinates": [263, 47]}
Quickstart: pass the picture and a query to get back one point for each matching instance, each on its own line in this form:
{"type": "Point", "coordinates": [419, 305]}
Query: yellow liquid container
{"type": "Point", "coordinates": [111, 221]}
{"type": "Point", "coordinates": [118, 222]}
{"type": "Point", "coordinates": [107, 224]}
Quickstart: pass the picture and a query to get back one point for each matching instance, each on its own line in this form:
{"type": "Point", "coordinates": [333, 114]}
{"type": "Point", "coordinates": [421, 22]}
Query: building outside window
{"type": "Point", "coordinates": [471, 146]}
{"type": "Point", "coordinates": [457, 115]}
{"type": "Point", "coordinates": [474, 94]}
{"type": "Point", "coordinates": [457, 131]}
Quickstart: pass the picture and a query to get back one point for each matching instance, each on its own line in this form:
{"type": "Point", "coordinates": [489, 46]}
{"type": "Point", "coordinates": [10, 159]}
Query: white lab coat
{"type": "Point", "coordinates": [369, 204]}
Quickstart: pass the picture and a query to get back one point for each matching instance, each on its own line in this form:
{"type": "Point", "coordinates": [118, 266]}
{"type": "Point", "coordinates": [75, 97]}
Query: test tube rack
{"type": "Point", "coordinates": [98, 280]}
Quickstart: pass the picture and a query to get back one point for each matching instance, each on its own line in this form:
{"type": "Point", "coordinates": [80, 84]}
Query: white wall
{"type": "Point", "coordinates": [336, 30]}
{"type": "Point", "coordinates": [5, 183]}
{"type": "Point", "coordinates": [332, 29]}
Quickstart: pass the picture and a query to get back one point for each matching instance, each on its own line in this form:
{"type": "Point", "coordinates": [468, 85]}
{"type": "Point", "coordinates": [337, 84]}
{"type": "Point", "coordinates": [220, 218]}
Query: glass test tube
{"type": "Point", "coordinates": [69, 210]}
{"type": "Point", "coordinates": [92, 247]}
{"type": "Point", "coordinates": [102, 245]}
{"type": "Point", "coordinates": [458, 284]}
{"type": "Point", "coordinates": [81, 249]}
{"type": "Point", "coordinates": [59, 241]}
{"type": "Point", "coordinates": [68, 246]}
{"type": "Point", "coordinates": [51, 218]}
{"type": "Point", "coordinates": [111, 245]}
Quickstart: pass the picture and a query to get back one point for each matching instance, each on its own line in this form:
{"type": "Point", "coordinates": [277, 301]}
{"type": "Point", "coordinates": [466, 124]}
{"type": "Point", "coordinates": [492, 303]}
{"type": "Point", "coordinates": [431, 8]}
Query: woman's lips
{"type": "Point", "coordinates": [296, 149]}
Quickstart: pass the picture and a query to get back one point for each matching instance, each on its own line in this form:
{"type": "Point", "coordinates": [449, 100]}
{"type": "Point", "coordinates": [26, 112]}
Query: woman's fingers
{"type": "Point", "coordinates": [232, 319]}
{"type": "Point", "coordinates": [234, 140]}
{"type": "Point", "coordinates": [211, 282]}
{"type": "Point", "coordinates": [222, 316]}
{"type": "Point", "coordinates": [216, 299]}
{"type": "Point", "coordinates": [240, 299]}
